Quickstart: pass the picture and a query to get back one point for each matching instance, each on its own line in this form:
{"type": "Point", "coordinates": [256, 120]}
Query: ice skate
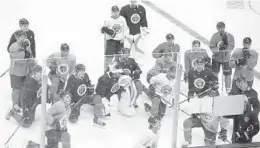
{"type": "Point", "coordinates": [31, 144]}
{"type": "Point", "coordinates": [147, 107]}
{"type": "Point", "coordinates": [11, 112]}
{"type": "Point", "coordinates": [98, 123]}
{"type": "Point", "coordinates": [185, 144]}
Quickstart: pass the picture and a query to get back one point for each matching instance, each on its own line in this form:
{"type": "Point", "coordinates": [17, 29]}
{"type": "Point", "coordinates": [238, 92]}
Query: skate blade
{"type": "Point", "coordinates": [99, 126]}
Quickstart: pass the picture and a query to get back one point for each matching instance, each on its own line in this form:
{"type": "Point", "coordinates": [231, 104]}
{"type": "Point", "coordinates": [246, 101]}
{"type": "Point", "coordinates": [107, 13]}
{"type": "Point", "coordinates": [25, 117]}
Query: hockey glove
{"type": "Point", "coordinates": [25, 43]}
{"type": "Point", "coordinates": [241, 62]}
{"type": "Point", "coordinates": [108, 31]}
{"type": "Point", "coordinates": [136, 74]}
{"type": "Point", "coordinates": [126, 71]}
{"type": "Point", "coordinates": [195, 115]}
{"type": "Point", "coordinates": [246, 53]}
{"type": "Point", "coordinates": [190, 95]}
{"type": "Point", "coordinates": [223, 134]}
{"type": "Point", "coordinates": [221, 45]}
{"type": "Point", "coordinates": [225, 39]}
{"type": "Point", "coordinates": [186, 77]}
{"type": "Point", "coordinates": [207, 60]}
{"type": "Point", "coordinates": [90, 89]}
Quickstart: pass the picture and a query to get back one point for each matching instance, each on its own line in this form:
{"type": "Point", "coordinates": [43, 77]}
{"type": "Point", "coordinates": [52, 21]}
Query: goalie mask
{"type": "Point", "coordinates": [65, 97]}
{"type": "Point", "coordinates": [171, 73]}
{"type": "Point", "coordinates": [80, 70]}
{"type": "Point", "coordinates": [241, 83]}
{"type": "Point", "coordinates": [114, 68]}
{"type": "Point", "coordinates": [198, 64]}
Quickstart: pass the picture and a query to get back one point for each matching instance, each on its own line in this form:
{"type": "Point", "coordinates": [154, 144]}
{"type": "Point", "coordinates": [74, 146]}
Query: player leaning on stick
{"type": "Point", "coordinates": [245, 126]}
{"type": "Point", "coordinates": [24, 24]}
{"type": "Point", "coordinates": [116, 31]}
{"type": "Point", "coordinates": [221, 45]}
{"type": "Point", "coordinates": [244, 60]}
{"type": "Point", "coordinates": [191, 55]}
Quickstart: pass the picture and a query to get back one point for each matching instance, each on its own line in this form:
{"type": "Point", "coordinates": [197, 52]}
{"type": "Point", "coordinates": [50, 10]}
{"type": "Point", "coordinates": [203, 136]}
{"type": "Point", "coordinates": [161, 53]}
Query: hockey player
{"type": "Point", "coordinates": [169, 46]}
{"type": "Point", "coordinates": [116, 31]}
{"type": "Point", "coordinates": [244, 60]}
{"type": "Point", "coordinates": [202, 81]}
{"type": "Point", "coordinates": [191, 55]}
{"type": "Point", "coordinates": [61, 65]}
{"type": "Point", "coordinates": [162, 65]}
{"type": "Point", "coordinates": [135, 15]}
{"type": "Point", "coordinates": [56, 118]}
{"type": "Point", "coordinates": [161, 91]}
{"type": "Point", "coordinates": [221, 45]}
{"type": "Point", "coordinates": [150, 138]}
{"type": "Point", "coordinates": [209, 123]}
{"type": "Point", "coordinates": [131, 68]}
{"type": "Point", "coordinates": [245, 126]}
{"type": "Point", "coordinates": [24, 24]}
{"type": "Point", "coordinates": [30, 100]}
{"type": "Point", "coordinates": [19, 67]}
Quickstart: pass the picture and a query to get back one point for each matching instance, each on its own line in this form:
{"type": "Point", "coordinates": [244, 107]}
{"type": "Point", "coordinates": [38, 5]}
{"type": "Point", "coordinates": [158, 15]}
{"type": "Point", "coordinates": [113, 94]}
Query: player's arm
{"type": "Point", "coordinates": [32, 42]}
{"type": "Point", "coordinates": [157, 51]}
{"type": "Point", "coordinates": [213, 44]}
{"type": "Point", "coordinates": [101, 88]}
{"type": "Point", "coordinates": [51, 61]}
{"type": "Point", "coordinates": [255, 103]}
{"type": "Point", "coordinates": [53, 110]}
{"type": "Point", "coordinates": [143, 21]}
{"type": "Point", "coordinates": [187, 62]}
{"type": "Point", "coordinates": [69, 85]}
{"type": "Point", "coordinates": [234, 58]}
{"type": "Point", "coordinates": [123, 13]}
{"type": "Point", "coordinates": [12, 40]}
{"type": "Point", "coordinates": [125, 28]}
{"type": "Point", "coordinates": [87, 80]}
{"type": "Point", "coordinates": [231, 43]}
{"type": "Point", "coordinates": [252, 61]}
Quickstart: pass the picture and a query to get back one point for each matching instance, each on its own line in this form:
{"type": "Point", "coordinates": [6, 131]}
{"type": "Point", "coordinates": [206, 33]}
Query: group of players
{"type": "Point", "coordinates": [70, 86]}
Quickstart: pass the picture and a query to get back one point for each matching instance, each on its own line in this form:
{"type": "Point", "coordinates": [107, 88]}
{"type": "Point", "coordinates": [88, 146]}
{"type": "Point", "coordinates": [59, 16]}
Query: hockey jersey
{"type": "Point", "coordinates": [105, 84]}
{"type": "Point", "coordinates": [119, 26]}
{"type": "Point", "coordinates": [57, 115]}
{"type": "Point", "coordinates": [200, 81]}
{"type": "Point", "coordinates": [221, 56]}
{"type": "Point", "coordinates": [246, 72]}
{"type": "Point", "coordinates": [165, 46]}
{"type": "Point", "coordinates": [190, 56]}
{"type": "Point", "coordinates": [148, 139]}
{"type": "Point", "coordinates": [164, 87]}
{"type": "Point", "coordinates": [130, 64]}
{"type": "Point", "coordinates": [135, 18]}
{"type": "Point", "coordinates": [77, 87]}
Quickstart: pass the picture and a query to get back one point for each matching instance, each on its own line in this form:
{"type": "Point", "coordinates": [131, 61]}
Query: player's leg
{"type": "Point", "coordinates": [125, 103]}
{"type": "Point", "coordinates": [210, 138]}
{"type": "Point", "coordinates": [28, 117]}
{"type": "Point", "coordinates": [65, 140]}
{"type": "Point", "coordinates": [188, 124]}
{"type": "Point", "coordinates": [119, 46]}
{"type": "Point", "coordinates": [101, 109]}
{"type": "Point", "coordinates": [139, 89]}
{"type": "Point", "coordinates": [162, 110]}
{"type": "Point", "coordinates": [109, 53]}
{"type": "Point", "coordinates": [215, 67]}
{"type": "Point", "coordinates": [53, 138]}
{"type": "Point", "coordinates": [227, 71]}
{"type": "Point", "coordinates": [154, 108]}
{"type": "Point", "coordinates": [75, 113]}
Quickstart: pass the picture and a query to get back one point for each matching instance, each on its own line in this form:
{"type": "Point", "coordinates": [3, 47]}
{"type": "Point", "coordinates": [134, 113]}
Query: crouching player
{"type": "Point", "coordinates": [132, 69]}
{"type": "Point", "coordinates": [31, 99]}
{"type": "Point", "coordinates": [161, 91]}
{"type": "Point", "coordinates": [56, 117]}
{"type": "Point", "coordinates": [150, 138]}
{"type": "Point", "coordinates": [202, 81]}
{"type": "Point", "coordinates": [61, 65]}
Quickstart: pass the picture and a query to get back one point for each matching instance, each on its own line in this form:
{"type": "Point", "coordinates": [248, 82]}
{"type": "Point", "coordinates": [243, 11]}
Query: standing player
{"type": "Point", "coordinates": [131, 68]}
{"type": "Point", "coordinates": [221, 45]}
{"type": "Point", "coordinates": [161, 91]}
{"type": "Point", "coordinates": [61, 65]}
{"type": "Point", "coordinates": [150, 138]}
{"type": "Point", "coordinates": [116, 31]}
{"type": "Point", "coordinates": [24, 24]}
{"type": "Point", "coordinates": [19, 68]}
{"type": "Point", "coordinates": [190, 57]}
{"type": "Point", "coordinates": [30, 99]}
{"type": "Point", "coordinates": [135, 15]}
{"type": "Point", "coordinates": [168, 46]}
{"type": "Point", "coordinates": [202, 81]}
{"type": "Point", "coordinates": [244, 60]}
{"type": "Point", "coordinates": [57, 117]}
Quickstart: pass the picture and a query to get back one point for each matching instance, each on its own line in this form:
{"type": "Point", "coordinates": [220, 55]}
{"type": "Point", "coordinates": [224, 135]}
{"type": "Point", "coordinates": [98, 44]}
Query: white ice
{"type": "Point", "coordinates": [78, 23]}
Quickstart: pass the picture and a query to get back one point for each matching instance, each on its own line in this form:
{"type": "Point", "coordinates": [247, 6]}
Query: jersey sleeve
{"type": "Point", "coordinates": [125, 28]}
{"type": "Point", "coordinates": [213, 44]}
{"type": "Point", "coordinates": [252, 61]}
{"type": "Point", "coordinates": [233, 58]}
{"type": "Point", "coordinates": [156, 52]}
{"type": "Point", "coordinates": [69, 85]}
{"type": "Point", "coordinates": [187, 62]}
{"type": "Point", "coordinates": [144, 20]}
{"type": "Point", "coordinates": [101, 87]}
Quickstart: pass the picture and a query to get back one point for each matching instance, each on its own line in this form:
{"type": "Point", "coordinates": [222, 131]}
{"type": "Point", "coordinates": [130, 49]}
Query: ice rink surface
{"type": "Point", "coordinates": [78, 23]}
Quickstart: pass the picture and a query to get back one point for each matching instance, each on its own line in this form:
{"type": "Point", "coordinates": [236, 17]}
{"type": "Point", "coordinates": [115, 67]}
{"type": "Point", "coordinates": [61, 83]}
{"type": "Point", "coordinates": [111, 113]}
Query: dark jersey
{"type": "Point", "coordinates": [200, 81]}
{"type": "Point", "coordinates": [105, 84]}
{"type": "Point", "coordinates": [30, 37]}
{"type": "Point", "coordinates": [135, 18]}
{"type": "Point", "coordinates": [129, 64]}
{"type": "Point", "coordinates": [31, 93]}
{"type": "Point", "coordinates": [78, 87]}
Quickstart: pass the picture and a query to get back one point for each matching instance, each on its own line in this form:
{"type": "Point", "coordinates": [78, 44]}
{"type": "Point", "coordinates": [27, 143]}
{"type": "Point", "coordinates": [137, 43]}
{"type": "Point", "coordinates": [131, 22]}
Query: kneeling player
{"type": "Point", "coordinates": [202, 81]}
{"type": "Point", "coordinates": [31, 99]}
{"type": "Point", "coordinates": [161, 91]}
{"type": "Point", "coordinates": [150, 138]}
{"type": "Point", "coordinates": [131, 68]}
{"type": "Point", "coordinates": [56, 117]}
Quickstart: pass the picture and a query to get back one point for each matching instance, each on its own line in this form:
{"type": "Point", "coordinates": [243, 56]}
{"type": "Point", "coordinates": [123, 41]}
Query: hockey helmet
{"type": "Point", "coordinates": [114, 67]}
{"type": "Point", "coordinates": [23, 21]}
{"type": "Point", "coordinates": [169, 36]}
{"type": "Point", "coordinates": [125, 50]}
{"type": "Point", "coordinates": [65, 97]}
{"type": "Point", "coordinates": [36, 69]}
{"type": "Point", "coordinates": [199, 61]}
{"type": "Point", "coordinates": [196, 42]}
{"type": "Point", "coordinates": [221, 25]}
{"type": "Point", "coordinates": [64, 47]}
{"type": "Point", "coordinates": [247, 40]}
{"type": "Point", "coordinates": [241, 82]}
{"type": "Point", "coordinates": [115, 8]}
{"type": "Point", "coordinates": [80, 67]}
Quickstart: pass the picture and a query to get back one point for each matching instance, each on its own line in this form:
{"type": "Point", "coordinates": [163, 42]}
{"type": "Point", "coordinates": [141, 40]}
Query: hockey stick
{"type": "Point", "coordinates": [4, 73]}
{"type": "Point", "coordinates": [134, 43]}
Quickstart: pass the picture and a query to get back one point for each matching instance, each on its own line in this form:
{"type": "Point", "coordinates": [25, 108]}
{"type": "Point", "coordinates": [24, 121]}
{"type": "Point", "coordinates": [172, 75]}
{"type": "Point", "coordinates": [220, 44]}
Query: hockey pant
{"type": "Point", "coordinates": [134, 41]}
{"type": "Point", "coordinates": [190, 123]}
{"type": "Point", "coordinates": [54, 137]}
{"type": "Point", "coordinates": [100, 105]}
{"type": "Point", "coordinates": [56, 86]}
{"type": "Point", "coordinates": [27, 117]}
{"type": "Point", "coordinates": [17, 85]}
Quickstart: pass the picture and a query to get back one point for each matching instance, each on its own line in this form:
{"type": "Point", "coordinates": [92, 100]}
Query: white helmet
{"type": "Point", "coordinates": [114, 68]}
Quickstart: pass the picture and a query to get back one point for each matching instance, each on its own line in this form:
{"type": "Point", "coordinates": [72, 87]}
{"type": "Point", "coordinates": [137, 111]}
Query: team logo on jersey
{"type": "Point", "coordinates": [193, 63]}
{"type": "Point", "coordinates": [166, 89]}
{"type": "Point", "coordinates": [63, 69]}
{"type": "Point", "coordinates": [199, 83]}
{"type": "Point", "coordinates": [117, 28]}
{"type": "Point", "coordinates": [135, 18]}
{"type": "Point", "coordinates": [63, 123]}
{"type": "Point", "coordinates": [82, 89]}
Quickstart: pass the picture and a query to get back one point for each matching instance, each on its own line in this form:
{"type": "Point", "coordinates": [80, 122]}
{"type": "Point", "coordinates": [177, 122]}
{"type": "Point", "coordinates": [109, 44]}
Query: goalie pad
{"type": "Point", "coordinates": [108, 31]}
{"type": "Point", "coordinates": [124, 80]}
{"type": "Point", "coordinates": [115, 88]}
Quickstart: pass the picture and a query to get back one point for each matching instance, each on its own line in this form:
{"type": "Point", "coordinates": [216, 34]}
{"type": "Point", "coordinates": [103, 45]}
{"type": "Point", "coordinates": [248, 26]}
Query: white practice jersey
{"type": "Point", "coordinates": [163, 87]}
{"type": "Point", "coordinates": [147, 139]}
{"type": "Point", "coordinates": [119, 26]}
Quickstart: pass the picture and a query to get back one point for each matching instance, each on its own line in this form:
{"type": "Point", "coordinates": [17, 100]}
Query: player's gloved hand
{"type": "Point", "coordinates": [17, 108]}
{"type": "Point", "coordinates": [241, 62]}
{"type": "Point", "coordinates": [25, 43]}
{"type": "Point", "coordinates": [207, 59]}
{"type": "Point", "coordinates": [221, 45]}
{"type": "Point", "coordinates": [190, 95]}
{"type": "Point", "coordinates": [246, 53]}
{"type": "Point", "coordinates": [223, 134]}
{"type": "Point", "coordinates": [144, 31]}
{"type": "Point", "coordinates": [186, 77]}
{"type": "Point", "coordinates": [108, 31]}
{"type": "Point", "coordinates": [91, 89]}
{"type": "Point", "coordinates": [126, 71]}
{"type": "Point", "coordinates": [136, 74]}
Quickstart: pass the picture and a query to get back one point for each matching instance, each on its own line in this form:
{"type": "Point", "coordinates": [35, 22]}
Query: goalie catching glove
{"type": "Point", "coordinates": [108, 31]}
{"type": "Point", "coordinates": [223, 134]}
{"type": "Point", "coordinates": [115, 88]}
